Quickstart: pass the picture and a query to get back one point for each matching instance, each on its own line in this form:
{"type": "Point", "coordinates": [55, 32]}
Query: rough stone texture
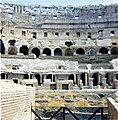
{"type": "Point", "coordinates": [16, 101]}
{"type": "Point", "coordinates": [112, 109]}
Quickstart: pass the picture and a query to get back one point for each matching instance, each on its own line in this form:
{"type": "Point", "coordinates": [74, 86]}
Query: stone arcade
{"type": "Point", "coordinates": [45, 46]}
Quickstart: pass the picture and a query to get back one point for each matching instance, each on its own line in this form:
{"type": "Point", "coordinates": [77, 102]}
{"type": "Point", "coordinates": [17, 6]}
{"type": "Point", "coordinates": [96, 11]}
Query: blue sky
{"type": "Point", "coordinates": [63, 2]}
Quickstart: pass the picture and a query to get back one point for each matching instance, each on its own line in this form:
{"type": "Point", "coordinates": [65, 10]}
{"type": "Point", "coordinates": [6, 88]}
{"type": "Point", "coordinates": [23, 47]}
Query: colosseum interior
{"type": "Point", "coordinates": [60, 48]}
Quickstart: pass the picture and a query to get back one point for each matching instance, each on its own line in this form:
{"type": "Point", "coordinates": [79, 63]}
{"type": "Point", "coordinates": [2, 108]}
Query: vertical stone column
{"type": "Point", "coordinates": [114, 77]}
{"type": "Point", "coordinates": [52, 78]}
{"type": "Point", "coordinates": [86, 78]}
{"type": "Point", "coordinates": [52, 52]}
{"type": "Point", "coordinates": [91, 83]}
{"type": "Point", "coordinates": [41, 78]}
{"type": "Point", "coordinates": [104, 82]}
{"type": "Point", "coordinates": [74, 79]}
{"type": "Point", "coordinates": [78, 79]}
{"type": "Point", "coordinates": [99, 80]}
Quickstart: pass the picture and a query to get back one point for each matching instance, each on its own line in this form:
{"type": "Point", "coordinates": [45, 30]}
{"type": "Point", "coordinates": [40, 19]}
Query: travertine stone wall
{"type": "Point", "coordinates": [112, 109]}
{"type": "Point", "coordinates": [16, 102]}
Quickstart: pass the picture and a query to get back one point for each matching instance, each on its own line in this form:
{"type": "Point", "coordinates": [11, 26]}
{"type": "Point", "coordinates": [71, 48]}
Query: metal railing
{"type": "Point", "coordinates": [65, 110]}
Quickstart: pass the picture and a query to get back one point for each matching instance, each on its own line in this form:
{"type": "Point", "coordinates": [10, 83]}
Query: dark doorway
{"type": "Point", "coordinates": [114, 51]}
{"type": "Point", "coordinates": [24, 49]}
{"type": "Point", "coordinates": [103, 50]}
{"type": "Point", "coordinates": [53, 86]}
{"type": "Point", "coordinates": [3, 76]}
{"type": "Point", "coordinates": [95, 79]}
{"type": "Point", "coordinates": [71, 77]}
{"type": "Point", "coordinates": [15, 81]}
{"type": "Point", "coordinates": [57, 52]}
{"type": "Point", "coordinates": [49, 77]}
{"type": "Point", "coordinates": [108, 77]}
{"type": "Point", "coordinates": [68, 52]}
{"type": "Point", "coordinates": [82, 77]}
{"type": "Point", "coordinates": [2, 47]}
{"type": "Point", "coordinates": [36, 51]}
{"type": "Point", "coordinates": [80, 51]}
{"type": "Point", "coordinates": [64, 86]}
{"type": "Point", "coordinates": [38, 79]}
{"type": "Point", "coordinates": [26, 76]}
{"type": "Point", "coordinates": [47, 51]}
{"type": "Point", "coordinates": [117, 76]}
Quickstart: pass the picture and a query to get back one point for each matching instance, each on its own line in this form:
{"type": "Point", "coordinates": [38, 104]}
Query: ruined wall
{"type": "Point", "coordinates": [16, 101]}
{"type": "Point", "coordinates": [112, 109]}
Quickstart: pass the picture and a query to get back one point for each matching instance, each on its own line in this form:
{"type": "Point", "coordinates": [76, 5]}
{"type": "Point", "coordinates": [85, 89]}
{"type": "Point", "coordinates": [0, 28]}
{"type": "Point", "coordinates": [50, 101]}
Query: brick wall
{"type": "Point", "coordinates": [16, 101]}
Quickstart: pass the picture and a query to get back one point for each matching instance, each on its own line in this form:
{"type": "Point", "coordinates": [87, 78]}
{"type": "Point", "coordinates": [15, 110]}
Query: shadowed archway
{"type": "Point", "coordinates": [47, 51]}
{"type": "Point", "coordinates": [2, 47]}
{"type": "Point", "coordinates": [114, 51]}
{"type": "Point", "coordinates": [57, 52]}
{"type": "Point", "coordinates": [80, 51]}
{"type": "Point", "coordinates": [68, 52]}
{"type": "Point", "coordinates": [24, 49]}
{"type": "Point", "coordinates": [103, 50]}
{"type": "Point", "coordinates": [36, 51]}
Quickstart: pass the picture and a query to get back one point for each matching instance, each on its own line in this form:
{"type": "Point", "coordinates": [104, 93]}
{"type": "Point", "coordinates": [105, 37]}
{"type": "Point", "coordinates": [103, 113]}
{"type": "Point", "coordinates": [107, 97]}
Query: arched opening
{"type": "Point", "coordinates": [57, 52]}
{"type": "Point", "coordinates": [68, 52]}
{"type": "Point", "coordinates": [12, 50]}
{"type": "Point", "coordinates": [80, 51]}
{"type": "Point", "coordinates": [103, 50]}
{"type": "Point", "coordinates": [49, 76]}
{"type": "Point", "coordinates": [24, 49]}
{"type": "Point", "coordinates": [36, 51]}
{"type": "Point", "coordinates": [3, 76]}
{"type": "Point", "coordinates": [47, 51]}
{"type": "Point", "coordinates": [108, 78]}
{"type": "Point", "coordinates": [38, 79]}
{"type": "Point", "coordinates": [82, 77]}
{"type": "Point", "coordinates": [2, 47]}
{"type": "Point", "coordinates": [26, 76]}
{"type": "Point", "coordinates": [71, 77]}
{"type": "Point", "coordinates": [114, 51]}
{"type": "Point", "coordinates": [92, 52]}
{"type": "Point", "coordinates": [95, 79]}
{"type": "Point", "coordinates": [117, 76]}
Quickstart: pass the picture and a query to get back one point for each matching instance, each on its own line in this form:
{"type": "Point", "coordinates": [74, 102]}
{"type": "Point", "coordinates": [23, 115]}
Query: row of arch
{"type": "Point", "coordinates": [58, 51]}
{"type": "Point", "coordinates": [95, 76]}
{"type": "Point", "coordinates": [68, 51]}
{"type": "Point", "coordinates": [83, 77]}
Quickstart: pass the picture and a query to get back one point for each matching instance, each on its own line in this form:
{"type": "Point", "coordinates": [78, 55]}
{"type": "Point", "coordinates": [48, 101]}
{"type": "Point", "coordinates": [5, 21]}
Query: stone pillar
{"type": "Point", "coordinates": [74, 79]}
{"type": "Point", "coordinates": [99, 81]}
{"type": "Point", "coordinates": [91, 83]}
{"type": "Point", "coordinates": [41, 79]}
{"type": "Point", "coordinates": [52, 52]}
{"type": "Point", "coordinates": [78, 79]}
{"type": "Point", "coordinates": [52, 78]}
{"type": "Point", "coordinates": [44, 76]}
{"type": "Point", "coordinates": [114, 77]}
{"type": "Point", "coordinates": [86, 78]}
{"type": "Point", "coordinates": [104, 82]}
{"type": "Point", "coordinates": [113, 80]}
{"type": "Point", "coordinates": [109, 52]}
